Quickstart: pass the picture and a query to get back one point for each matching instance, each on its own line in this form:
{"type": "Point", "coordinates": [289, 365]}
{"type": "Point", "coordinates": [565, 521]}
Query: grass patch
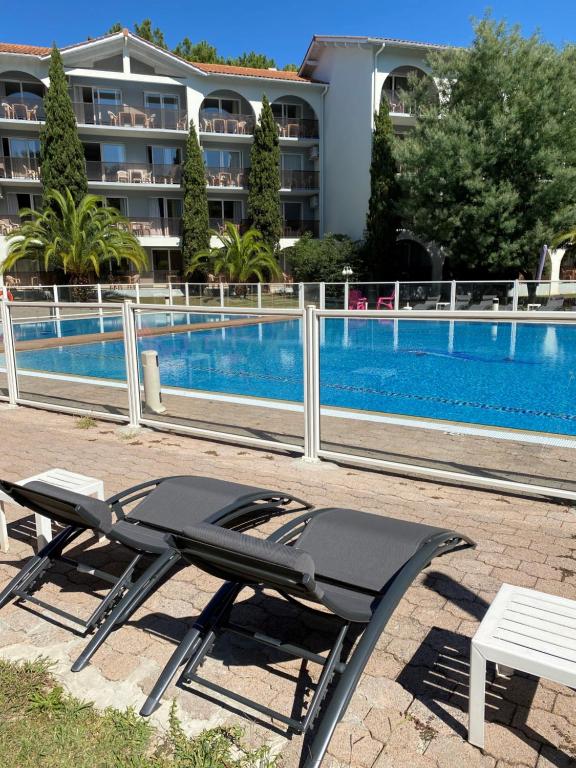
{"type": "Point", "coordinates": [85, 422]}
{"type": "Point", "coordinates": [42, 726]}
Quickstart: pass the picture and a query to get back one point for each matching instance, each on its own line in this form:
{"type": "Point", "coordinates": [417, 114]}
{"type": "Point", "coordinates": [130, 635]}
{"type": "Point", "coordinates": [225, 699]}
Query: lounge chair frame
{"type": "Point", "coordinates": [214, 621]}
{"type": "Point", "coordinates": [126, 592]}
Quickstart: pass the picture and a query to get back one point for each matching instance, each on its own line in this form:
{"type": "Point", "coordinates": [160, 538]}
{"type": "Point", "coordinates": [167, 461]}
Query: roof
{"type": "Point", "coordinates": [30, 50]}
{"type": "Point", "coordinates": [213, 69]}
{"type": "Point", "coordinates": [228, 69]}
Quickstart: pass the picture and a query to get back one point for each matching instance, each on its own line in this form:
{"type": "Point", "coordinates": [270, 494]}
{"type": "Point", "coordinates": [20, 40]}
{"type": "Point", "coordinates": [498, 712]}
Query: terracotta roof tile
{"type": "Point", "coordinates": [228, 69]}
{"type": "Point", "coordinates": [31, 50]}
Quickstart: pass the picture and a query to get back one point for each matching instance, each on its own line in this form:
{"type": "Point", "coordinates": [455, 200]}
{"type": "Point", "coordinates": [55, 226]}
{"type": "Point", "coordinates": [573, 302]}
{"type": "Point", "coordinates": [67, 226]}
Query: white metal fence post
{"type": "Point", "coordinates": [131, 355]}
{"type": "Point", "coordinates": [396, 295]}
{"type": "Point", "coordinates": [515, 296]}
{"type": "Point", "coordinates": [322, 293]}
{"type": "Point", "coordinates": [187, 294]}
{"type": "Point", "coordinates": [259, 295]}
{"type": "Point", "coordinates": [311, 385]}
{"type": "Point", "coordinates": [99, 298]}
{"type": "Point", "coordinates": [9, 350]}
{"type": "Point", "coordinates": [346, 294]}
{"type": "Point", "coordinates": [170, 293]}
{"type": "Point", "coordinates": [56, 300]}
{"type": "Point", "coordinates": [300, 295]}
{"type": "Point", "coordinates": [453, 296]}
{"type": "Point", "coordinates": [137, 287]}
{"type": "Point", "coordinates": [222, 294]}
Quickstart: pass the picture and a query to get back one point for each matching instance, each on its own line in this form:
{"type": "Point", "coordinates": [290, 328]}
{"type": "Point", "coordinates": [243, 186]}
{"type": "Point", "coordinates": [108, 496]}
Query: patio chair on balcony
{"type": "Point", "coordinates": [113, 117]}
{"type": "Point", "coordinates": [121, 176]}
{"type": "Point", "coordinates": [163, 506]}
{"type": "Point", "coordinates": [232, 125]}
{"type": "Point", "coordinates": [20, 112]}
{"type": "Point", "coordinates": [30, 173]}
{"type": "Point", "coordinates": [293, 130]}
{"type": "Point", "coordinates": [219, 125]}
{"type": "Point", "coordinates": [8, 110]}
{"type": "Point", "coordinates": [354, 566]}
{"type": "Point", "coordinates": [242, 126]}
{"type": "Point", "coordinates": [206, 125]}
{"type": "Point", "coordinates": [182, 123]}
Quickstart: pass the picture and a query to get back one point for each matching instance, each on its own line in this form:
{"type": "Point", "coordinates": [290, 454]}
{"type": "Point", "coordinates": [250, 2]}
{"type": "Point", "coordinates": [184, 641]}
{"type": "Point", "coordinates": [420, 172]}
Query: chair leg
{"type": "Point", "coordinates": [476, 697]}
{"type": "Point", "coordinates": [128, 604]}
{"type": "Point", "coordinates": [209, 618]}
{"type": "Point", "coordinates": [4, 543]}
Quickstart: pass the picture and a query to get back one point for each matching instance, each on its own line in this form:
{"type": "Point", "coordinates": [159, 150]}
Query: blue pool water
{"type": "Point", "coordinates": [476, 373]}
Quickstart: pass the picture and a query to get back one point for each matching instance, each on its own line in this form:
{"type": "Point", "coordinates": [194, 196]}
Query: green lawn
{"type": "Point", "coordinates": [41, 726]}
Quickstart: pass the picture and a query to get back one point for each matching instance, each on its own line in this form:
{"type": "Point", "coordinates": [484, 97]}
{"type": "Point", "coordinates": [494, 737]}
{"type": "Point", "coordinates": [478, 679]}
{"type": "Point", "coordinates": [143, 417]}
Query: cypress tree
{"type": "Point", "coordinates": [61, 152]}
{"type": "Point", "coordinates": [195, 223]}
{"type": "Point", "coordinates": [382, 222]}
{"type": "Point", "coordinates": [264, 190]}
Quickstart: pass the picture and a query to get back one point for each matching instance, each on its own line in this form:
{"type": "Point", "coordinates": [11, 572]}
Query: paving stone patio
{"type": "Point", "coordinates": [410, 707]}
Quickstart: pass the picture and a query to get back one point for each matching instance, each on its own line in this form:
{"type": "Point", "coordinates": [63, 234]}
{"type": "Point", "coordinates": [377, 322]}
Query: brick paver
{"type": "Point", "coordinates": [410, 707]}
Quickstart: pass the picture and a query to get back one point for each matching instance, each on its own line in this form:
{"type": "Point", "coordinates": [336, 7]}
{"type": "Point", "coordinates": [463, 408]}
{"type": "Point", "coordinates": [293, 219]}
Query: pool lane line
{"type": "Point", "coordinates": [96, 338]}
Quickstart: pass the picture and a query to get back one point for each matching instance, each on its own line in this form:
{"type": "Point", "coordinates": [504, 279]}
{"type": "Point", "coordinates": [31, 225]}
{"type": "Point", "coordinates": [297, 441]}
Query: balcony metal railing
{"type": "Point", "coordinates": [24, 109]}
{"type": "Point", "coordinates": [298, 227]}
{"type": "Point", "coordinates": [399, 104]}
{"type": "Point", "coordinates": [297, 127]}
{"type": "Point", "coordinates": [226, 177]}
{"type": "Point", "coordinates": [20, 168]}
{"type": "Point", "coordinates": [133, 173]}
{"type": "Point", "coordinates": [130, 116]}
{"type": "Point", "coordinates": [299, 179]}
{"type": "Point", "coordinates": [219, 224]}
{"type": "Point", "coordinates": [224, 122]}
{"type": "Point", "coordinates": [146, 226]}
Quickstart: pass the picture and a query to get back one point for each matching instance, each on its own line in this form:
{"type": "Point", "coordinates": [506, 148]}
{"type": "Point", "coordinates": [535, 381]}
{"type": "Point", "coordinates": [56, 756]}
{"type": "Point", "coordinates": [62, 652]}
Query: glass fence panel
{"type": "Point", "coordinates": [454, 395]}
{"type": "Point", "coordinates": [371, 295]}
{"type": "Point", "coordinates": [480, 296]}
{"type": "Point", "coordinates": [73, 361]}
{"type": "Point", "coordinates": [3, 376]}
{"type": "Point", "coordinates": [241, 375]}
{"type": "Point", "coordinates": [425, 295]}
{"type": "Point", "coordinates": [334, 295]}
{"type": "Point", "coordinates": [311, 293]}
{"type": "Point", "coordinates": [278, 295]}
{"type": "Point", "coordinates": [567, 290]}
{"type": "Point", "coordinates": [35, 293]}
{"type": "Point", "coordinates": [241, 295]}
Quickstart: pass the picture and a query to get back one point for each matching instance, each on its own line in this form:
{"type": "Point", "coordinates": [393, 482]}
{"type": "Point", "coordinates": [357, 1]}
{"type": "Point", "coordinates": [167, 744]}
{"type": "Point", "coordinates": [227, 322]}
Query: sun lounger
{"type": "Point", "coordinates": [356, 565]}
{"type": "Point", "coordinates": [164, 506]}
{"type": "Point", "coordinates": [554, 304]}
{"type": "Point", "coordinates": [430, 303]}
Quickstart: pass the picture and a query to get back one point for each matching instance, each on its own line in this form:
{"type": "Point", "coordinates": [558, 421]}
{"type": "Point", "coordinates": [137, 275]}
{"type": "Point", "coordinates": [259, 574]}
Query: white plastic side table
{"type": "Point", "coordinates": [61, 478]}
{"type": "Point", "coordinates": [525, 630]}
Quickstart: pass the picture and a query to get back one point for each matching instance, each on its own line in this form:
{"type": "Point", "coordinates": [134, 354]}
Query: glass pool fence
{"type": "Point", "coordinates": [468, 395]}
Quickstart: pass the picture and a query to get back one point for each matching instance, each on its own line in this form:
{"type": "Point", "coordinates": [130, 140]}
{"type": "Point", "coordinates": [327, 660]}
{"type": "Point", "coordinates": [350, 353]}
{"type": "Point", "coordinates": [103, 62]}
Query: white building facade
{"type": "Point", "coordinates": [133, 103]}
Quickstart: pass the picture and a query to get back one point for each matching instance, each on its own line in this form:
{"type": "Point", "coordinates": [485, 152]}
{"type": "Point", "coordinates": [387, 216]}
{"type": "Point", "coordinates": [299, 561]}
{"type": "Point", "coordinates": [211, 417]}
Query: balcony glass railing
{"type": "Point", "coordinates": [143, 226]}
{"type": "Point", "coordinates": [224, 122]}
{"type": "Point", "coordinates": [226, 177]}
{"type": "Point", "coordinates": [22, 109]}
{"type": "Point", "coordinates": [297, 127]}
{"type": "Point", "coordinates": [9, 222]}
{"type": "Point", "coordinates": [20, 168]}
{"type": "Point", "coordinates": [399, 104]}
{"type": "Point", "coordinates": [130, 116]}
{"type": "Point", "coordinates": [133, 173]}
{"type": "Point", "coordinates": [298, 227]}
{"type": "Point", "coordinates": [219, 224]}
{"type": "Point", "coordinates": [299, 179]}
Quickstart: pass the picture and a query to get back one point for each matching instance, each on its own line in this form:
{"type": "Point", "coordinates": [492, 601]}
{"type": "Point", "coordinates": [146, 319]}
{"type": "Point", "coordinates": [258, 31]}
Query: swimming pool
{"type": "Point", "coordinates": [501, 375]}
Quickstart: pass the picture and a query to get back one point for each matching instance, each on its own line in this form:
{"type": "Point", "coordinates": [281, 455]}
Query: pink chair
{"type": "Point", "coordinates": [386, 302]}
{"type": "Point", "coordinates": [356, 300]}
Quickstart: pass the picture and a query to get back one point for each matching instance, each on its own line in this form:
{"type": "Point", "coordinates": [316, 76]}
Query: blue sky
{"type": "Point", "coordinates": [281, 30]}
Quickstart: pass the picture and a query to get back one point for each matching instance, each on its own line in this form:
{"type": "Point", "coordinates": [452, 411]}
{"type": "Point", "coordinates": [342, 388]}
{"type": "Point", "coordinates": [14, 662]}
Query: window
{"type": "Point", "coordinates": [292, 212]}
{"type": "Point", "coordinates": [24, 148]}
{"type": "Point", "coordinates": [166, 261]}
{"type": "Point", "coordinates": [227, 106]}
{"type": "Point", "coordinates": [113, 153]}
{"type": "Point", "coordinates": [23, 92]}
{"type": "Point", "coordinates": [291, 162]}
{"type": "Point", "coordinates": [228, 210]}
{"type": "Point", "coordinates": [165, 107]}
{"type": "Point", "coordinates": [164, 155]}
{"type": "Point", "coordinates": [170, 207]}
{"type": "Point", "coordinates": [215, 158]}
{"type": "Point", "coordinates": [120, 203]}
{"type": "Point", "coordinates": [287, 111]}
{"type": "Point", "coordinates": [107, 96]}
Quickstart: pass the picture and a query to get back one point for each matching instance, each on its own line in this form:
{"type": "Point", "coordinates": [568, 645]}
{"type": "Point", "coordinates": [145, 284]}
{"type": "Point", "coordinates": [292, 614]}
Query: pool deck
{"type": "Point", "coordinates": [409, 710]}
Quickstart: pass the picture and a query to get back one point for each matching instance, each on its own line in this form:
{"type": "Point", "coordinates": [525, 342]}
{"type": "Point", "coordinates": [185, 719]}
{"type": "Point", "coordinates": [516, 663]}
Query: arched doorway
{"type": "Point", "coordinates": [397, 86]}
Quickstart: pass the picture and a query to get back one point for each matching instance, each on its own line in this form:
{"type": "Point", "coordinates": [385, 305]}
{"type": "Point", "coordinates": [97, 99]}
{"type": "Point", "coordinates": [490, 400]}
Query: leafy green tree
{"type": "Point", "coordinates": [62, 162]}
{"type": "Point", "coordinates": [114, 29]}
{"type": "Point", "coordinates": [150, 33]}
{"type": "Point", "coordinates": [313, 260]}
{"type": "Point", "coordinates": [383, 221]}
{"type": "Point", "coordinates": [489, 171]}
{"type": "Point", "coordinates": [202, 51]}
{"type": "Point", "coordinates": [238, 258]}
{"type": "Point", "coordinates": [290, 68]}
{"type": "Point", "coordinates": [264, 181]}
{"type": "Point", "coordinates": [75, 237]}
{"type": "Point", "coordinates": [253, 59]}
{"type": "Point", "coordinates": [195, 223]}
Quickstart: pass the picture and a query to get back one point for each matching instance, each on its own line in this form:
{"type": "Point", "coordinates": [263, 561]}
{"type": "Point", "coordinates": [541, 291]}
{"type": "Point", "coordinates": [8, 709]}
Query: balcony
{"type": "Point", "coordinates": [130, 116]}
{"type": "Point", "coordinates": [227, 177]}
{"type": "Point", "coordinates": [132, 173]}
{"type": "Point", "coordinates": [219, 224]}
{"type": "Point", "coordinates": [399, 104]}
{"type": "Point", "coordinates": [225, 123]}
{"type": "Point", "coordinates": [155, 227]}
{"type": "Point", "coordinates": [297, 127]}
{"type": "Point", "coordinates": [31, 110]}
{"type": "Point", "coordinates": [299, 180]}
{"type": "Point", "coordinates": [25, 168]}
{"type": "Point", "coordinates": [298, 227]}
{"type": "Point", "coordinates": [9, 222]}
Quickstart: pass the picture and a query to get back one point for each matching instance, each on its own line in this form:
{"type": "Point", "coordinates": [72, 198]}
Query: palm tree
{"type": "Point", "coordinates": [75, 238]}
{"type": "Point", "coordinates": [239, 257]}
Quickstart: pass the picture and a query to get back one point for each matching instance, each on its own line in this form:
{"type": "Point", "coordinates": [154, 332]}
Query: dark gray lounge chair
{"type": "Point", "coordinates": [554, 304]}
{"type": "Point", "coordinates": [164, 506]}
{"type": "Point", "coordinates": [357, 565]}
{"type": "Point", "coordinates": [486, 303]}
{"type": "Point", "coordinates": [430, 303]}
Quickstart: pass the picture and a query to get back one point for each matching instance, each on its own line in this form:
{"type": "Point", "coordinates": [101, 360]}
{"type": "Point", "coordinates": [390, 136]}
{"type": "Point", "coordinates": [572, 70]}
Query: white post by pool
{"type": "Point", "coordinates": [131, 355]}
{"type": "Point", "coordinates": [396, 296]}
{"type": "Point", "coordinates": [99, 298]}
{"type": "Point", "coordinates": [259, 294]}
{"type": "Point", "coordinates": [151, 379]}
{"type": "Point", "coordinates": [56, 300]}
{"type": "Point", "coordinates": [222, 295]}
{"type": "Point", "coordinates": [9, 350]}
{"type": "Point", "coordinates": [515, 296]}
{"type": "Point", "coordinates": [311, 385]}
{"type": "Point", "coordinates": [453, 296]}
